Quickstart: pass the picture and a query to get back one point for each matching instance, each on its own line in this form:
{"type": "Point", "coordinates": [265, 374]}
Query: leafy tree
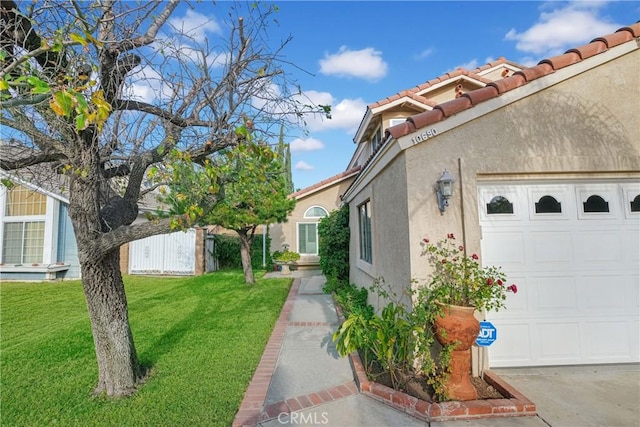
{"type": "Point", "coordinates": [105, 93]}
{"type": "Point", "coordinates": [245, 187]}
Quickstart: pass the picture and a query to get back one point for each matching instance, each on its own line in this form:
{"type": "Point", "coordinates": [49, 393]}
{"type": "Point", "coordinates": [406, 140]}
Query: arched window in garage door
{"type": "Point", "coordinates": [499, 205]}
{"type": "Point", "coordinates": [595, 203]}
{"type": "Point", "coordinates": [548, 204]}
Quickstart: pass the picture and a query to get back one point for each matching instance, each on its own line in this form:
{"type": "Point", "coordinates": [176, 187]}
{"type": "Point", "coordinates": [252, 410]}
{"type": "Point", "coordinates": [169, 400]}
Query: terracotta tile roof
{"type": "Point", "coordinates": [459, 72]}
{"type": "Point", "coordinates": [519, 78]}
{"type": "Point", "coordinates": [317, 186]}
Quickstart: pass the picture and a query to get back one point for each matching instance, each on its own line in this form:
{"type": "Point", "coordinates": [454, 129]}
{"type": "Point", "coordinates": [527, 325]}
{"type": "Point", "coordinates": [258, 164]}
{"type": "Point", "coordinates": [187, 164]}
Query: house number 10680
{"type": "Point", "coordinates": [429, 133]}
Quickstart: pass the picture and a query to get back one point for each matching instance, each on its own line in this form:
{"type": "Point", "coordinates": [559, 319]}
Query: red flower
{"type": "Point", "coordinates": [474, 256]}
{"type": "Point", "coordinates": [444, 261]}
{"type": "Point", "coordinates": [450, 236]}
{"type": "Point", "coordinates": [500, 282]}
{"type": "Point", "coordinates": [490, 281]}
{"type": "Point", "coordinates": [513, 288]}
{"type": "Point", "coordinates": [461, 248]}
{"type": "Point", "coordinates": [425, 240]}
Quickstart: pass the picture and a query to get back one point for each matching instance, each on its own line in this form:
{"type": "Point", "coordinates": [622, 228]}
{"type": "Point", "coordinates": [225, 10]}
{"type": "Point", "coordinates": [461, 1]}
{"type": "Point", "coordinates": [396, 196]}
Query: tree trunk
{"type": "Point", "coordinates": [118, 369]}
{"type": "Point", "coordinates": [245, 256]}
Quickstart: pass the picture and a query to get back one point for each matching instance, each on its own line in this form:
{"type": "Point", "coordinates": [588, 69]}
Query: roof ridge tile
{"type": "Point", "coordinates": [518, 79]}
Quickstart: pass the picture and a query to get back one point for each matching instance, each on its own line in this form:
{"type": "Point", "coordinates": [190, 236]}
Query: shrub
{"type": "Point", "coordinates": [333, 249]}
{"type": "Point", "coordinates": [285, 256]}
{"type": "Point", "coordinates": [393, 340]}
{"type": "Point", "coordinates": [227, 252]}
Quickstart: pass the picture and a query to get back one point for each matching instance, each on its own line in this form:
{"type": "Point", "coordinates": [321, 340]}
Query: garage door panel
{"type": "Point", "coordinates": [512, 345]}
{"type": "Point", "coordinates": [504, 248]}
{"type": "Point", "coordinates": [517, 304]}
{"type": "Point", "coordinates": [602, 246]}
{"type": "Point", "coordinates": [605, 293]}
{"type": "Point", "coordinates": [578, 275]}
{"type": "Point", "coordinates": [634, 293]}
{"type": "Point", "coordinates": [555, 294]}
{"type": "Point", "coordinates": [608, 340]}
{"type": "Point", "coordinates": [551, 248]}
{"type": "Point", "coordinates": [559, 342]}
{"type": "Point", "coordinates": [631, 246]}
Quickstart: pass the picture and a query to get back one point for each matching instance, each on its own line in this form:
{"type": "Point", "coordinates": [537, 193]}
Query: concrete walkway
{"type": "Point", "coordinates": [301, 380]}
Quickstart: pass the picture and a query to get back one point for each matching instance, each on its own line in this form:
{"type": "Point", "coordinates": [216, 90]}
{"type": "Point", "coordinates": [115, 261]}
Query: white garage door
{"type": "Point", "coordinates": [573, 249]}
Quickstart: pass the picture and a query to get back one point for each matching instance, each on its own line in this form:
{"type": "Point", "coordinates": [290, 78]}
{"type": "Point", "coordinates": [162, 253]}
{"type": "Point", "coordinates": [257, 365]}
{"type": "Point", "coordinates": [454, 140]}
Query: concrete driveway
{"type": "Point", "coordinates": [581, 396]}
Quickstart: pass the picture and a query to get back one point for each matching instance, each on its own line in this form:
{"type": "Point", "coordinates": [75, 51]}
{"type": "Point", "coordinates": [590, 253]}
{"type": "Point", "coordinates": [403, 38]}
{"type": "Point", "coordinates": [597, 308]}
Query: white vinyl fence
{"type": "Point", "coordinates": [170, 254]}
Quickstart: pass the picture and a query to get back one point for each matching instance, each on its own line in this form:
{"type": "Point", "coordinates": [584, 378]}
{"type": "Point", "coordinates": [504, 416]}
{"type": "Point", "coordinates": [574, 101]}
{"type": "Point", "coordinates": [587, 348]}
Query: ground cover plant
{"type": "Point", "coordinates": [201, 337]}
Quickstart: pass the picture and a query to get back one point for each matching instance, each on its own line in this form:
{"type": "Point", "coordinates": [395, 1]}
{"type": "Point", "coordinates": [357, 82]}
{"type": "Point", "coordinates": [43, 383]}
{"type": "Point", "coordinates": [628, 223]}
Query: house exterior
{"type": "Point", "coordinates": [300, 232]}
{"type": "Point", "coordinates": [546, 162]}
{"type": "Point", "coordinates": [37, 237]}
{"type": "Point", "coordinates": [38, 241]}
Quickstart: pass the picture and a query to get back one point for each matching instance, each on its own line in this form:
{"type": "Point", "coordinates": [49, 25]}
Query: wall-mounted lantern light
{"type": "Point", "coordinates": [444, 190]}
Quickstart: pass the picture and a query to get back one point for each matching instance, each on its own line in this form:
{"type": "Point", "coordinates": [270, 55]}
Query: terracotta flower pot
{"type": "Point", "coordinates": [458, 326]}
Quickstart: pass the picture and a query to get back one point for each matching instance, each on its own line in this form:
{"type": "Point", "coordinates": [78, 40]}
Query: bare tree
{"type": "Point", "coordinates": [101, 92]}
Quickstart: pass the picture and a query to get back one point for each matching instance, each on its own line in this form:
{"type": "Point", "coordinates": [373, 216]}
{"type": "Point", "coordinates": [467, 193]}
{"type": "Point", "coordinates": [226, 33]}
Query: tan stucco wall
{"type": "Point", "coordinates": [388, 206]}
{"type": "Point", "coordinates": [583, 127]}
{"type": "Point", "coordinates": [286, 233]}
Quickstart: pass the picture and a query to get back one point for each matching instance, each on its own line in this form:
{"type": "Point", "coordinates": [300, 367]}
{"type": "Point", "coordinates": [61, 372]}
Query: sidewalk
{"type": "Point", "coordinates": [301, 380]}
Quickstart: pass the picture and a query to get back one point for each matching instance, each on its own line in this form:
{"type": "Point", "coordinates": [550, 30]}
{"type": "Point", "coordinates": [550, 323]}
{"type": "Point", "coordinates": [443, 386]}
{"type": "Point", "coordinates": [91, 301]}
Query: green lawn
{"type": "Point", "coordinates": [202, 336]}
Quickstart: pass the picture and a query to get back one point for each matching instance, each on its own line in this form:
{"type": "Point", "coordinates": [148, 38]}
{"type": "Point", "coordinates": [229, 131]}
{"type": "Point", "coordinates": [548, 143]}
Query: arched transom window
{"type": "Point", "coordinates": [316, 212]}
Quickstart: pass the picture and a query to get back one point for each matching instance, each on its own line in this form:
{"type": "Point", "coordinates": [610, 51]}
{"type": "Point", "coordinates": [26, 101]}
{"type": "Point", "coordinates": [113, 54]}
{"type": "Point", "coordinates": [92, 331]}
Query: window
{"type": "Point", "coordinates": [596, 203]}
{"type": "Point", "coordinates": [376, 139]}
{"type": "Point", "coordinates": [394, 122]}
{"type": "Point", "coordinates": [308, 238]}
{"type": "Point", "coordinates": [364, 229]}
{"type": "Point", "coordinates": [24, 226]}
{"type": "Point", "coordinates": [308, 231]}
{"type": "Point", "coordinates": [499, 205]}
{"type": "Point", "coordinates": [316, 212]}
{"type": "Point", "coordinates": [548, 204]}
{"type": "Point", "coordinates": [23, 242]}
{"type": "Point", "coordinates": [635, 204]}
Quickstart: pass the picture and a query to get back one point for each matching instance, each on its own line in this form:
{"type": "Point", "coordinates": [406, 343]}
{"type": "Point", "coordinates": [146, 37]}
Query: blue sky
{"type": "Point", "coordinates": [358, 52]}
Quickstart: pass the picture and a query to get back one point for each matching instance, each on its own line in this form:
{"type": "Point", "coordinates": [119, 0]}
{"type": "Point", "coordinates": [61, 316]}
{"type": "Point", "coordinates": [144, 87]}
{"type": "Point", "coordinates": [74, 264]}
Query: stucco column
{"type": "Point", "coordinates": [201, 266]}
{"type": "Point", "coordinates": [124, 258]}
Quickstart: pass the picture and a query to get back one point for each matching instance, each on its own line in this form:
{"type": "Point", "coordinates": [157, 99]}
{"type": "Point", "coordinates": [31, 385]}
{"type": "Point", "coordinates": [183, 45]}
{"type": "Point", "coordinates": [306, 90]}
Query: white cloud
{"type": "Point", "coordinates": [309, 144]}
{"type": "Point", "coordinates": [146, 85]}
{"type": "Point", "coordinates": [303, 166]}
{"type": "Point", "coordinates": [424, 54]}
{"type": "Point", "coordinates": [470, 65]}
{"type": "Point", "coordinates": [346, 114]}
{"type": "Point", "coordinates": [560, 29]}
{"type": "Point", "coordinates": [366, 64]}
{"type": "Point", "coordinates": [196, 25]}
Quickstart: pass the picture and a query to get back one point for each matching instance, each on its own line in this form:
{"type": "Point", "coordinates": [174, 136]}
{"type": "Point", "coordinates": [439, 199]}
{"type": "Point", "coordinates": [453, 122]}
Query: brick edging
{"type": "Point", "coordinates": [309, 400]}
{"type": "Point", "coordinates": [515, 405]}
{"type": "Point", "coordinates": [251, 408]}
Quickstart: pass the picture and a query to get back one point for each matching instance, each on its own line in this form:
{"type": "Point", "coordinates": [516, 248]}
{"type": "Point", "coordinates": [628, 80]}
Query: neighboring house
{"type": "Point", "coordinates": [546, 161]}
{"type": "Point", "coordinates": [300, 232]}
{"type": "Point", "coordinates": [38, 241]}
{"type": "Point", "coordinates": [37, 237]}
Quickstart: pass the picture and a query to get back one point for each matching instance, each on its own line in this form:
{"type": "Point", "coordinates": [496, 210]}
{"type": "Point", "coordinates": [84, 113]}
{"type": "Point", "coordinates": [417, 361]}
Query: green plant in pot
{"type": "Point", "coordinates": [458, 287]}
{"type": "Point", "coordinates": [285, 259]}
